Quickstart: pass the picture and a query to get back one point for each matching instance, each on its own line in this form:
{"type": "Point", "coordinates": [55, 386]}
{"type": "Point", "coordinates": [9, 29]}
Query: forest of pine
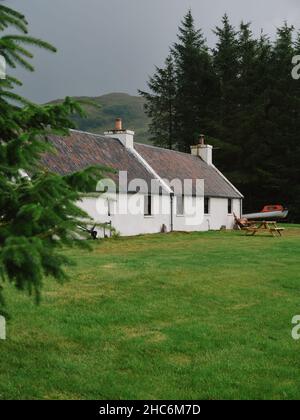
{"type": "Point", "coordinates": [242, 96]}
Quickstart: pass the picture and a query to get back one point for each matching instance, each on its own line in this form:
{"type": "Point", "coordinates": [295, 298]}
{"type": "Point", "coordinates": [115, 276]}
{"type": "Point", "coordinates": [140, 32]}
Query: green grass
{"type": "Point", "coordinates": [187, 316]}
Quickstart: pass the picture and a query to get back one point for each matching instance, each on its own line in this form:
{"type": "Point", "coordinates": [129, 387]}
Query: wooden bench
{"type": "Point", "coordinates": [252, 227]}
{"type": "Point", "coordinates": [277, 230]}
{"type": "Point", "coordinates": [255, 227]}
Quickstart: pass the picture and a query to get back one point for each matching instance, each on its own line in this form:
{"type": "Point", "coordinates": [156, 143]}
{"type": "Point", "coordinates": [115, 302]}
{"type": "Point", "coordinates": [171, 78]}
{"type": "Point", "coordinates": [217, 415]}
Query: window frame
{"type": "Point", "coordinates": [182, 197]}
{"type": "Point", "coordinates": [230, 206]}
{"type": "Point", "coordinates": [207, 203]}
{"type": "Point", "coordinates": [148, 199]}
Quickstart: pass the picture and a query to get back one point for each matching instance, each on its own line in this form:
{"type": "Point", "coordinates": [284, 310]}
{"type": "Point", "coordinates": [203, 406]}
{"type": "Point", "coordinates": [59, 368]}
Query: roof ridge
{"type": "Point", "coordinates": [85, 132]}
{"type": "Point", "coordinates": [167, 150]}
{"type": "Point", "coordinates": [102, 136]}
{"type": "Point", "coordinates": [141, 144]}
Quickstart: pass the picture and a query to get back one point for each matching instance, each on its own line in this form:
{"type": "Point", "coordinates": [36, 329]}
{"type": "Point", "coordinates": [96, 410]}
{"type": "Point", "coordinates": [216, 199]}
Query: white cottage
{"type": "Point", "coordinates": [152, 189]}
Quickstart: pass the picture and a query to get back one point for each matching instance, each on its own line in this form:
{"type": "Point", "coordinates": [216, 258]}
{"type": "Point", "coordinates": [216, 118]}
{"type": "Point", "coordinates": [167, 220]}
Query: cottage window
{"type": "Point", "coordinates": [180, 205]}
{"type": "Point", "coordinates": [206, 205]}
{"type": "Point", "coordinates": [148, 205]}
{"type": "Point", "coordinates": [229, 206]}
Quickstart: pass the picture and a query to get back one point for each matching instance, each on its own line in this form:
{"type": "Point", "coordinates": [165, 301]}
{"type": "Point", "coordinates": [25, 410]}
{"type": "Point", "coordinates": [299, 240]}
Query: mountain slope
{"type": "Point", "coordinates": [112, 106]}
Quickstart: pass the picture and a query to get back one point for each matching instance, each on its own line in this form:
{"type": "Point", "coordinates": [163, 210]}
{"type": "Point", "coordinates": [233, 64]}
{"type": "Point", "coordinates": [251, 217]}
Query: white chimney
{"type": "Point", "coordinates": [125, 136]}
{"type": "Point", "coordinates": [202, 150]}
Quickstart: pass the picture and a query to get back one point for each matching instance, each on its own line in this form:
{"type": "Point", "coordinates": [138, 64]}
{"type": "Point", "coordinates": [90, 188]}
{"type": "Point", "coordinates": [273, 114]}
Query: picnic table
{"type": "Point", "coordinates": [253, 227]}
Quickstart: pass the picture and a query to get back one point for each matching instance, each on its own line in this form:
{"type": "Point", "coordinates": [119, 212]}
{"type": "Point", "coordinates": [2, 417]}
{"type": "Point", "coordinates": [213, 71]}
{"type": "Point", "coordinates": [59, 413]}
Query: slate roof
{"type": "Point", "coordinates": [170, 165]}
{"type": "Point", "coordinates": [80, 150]}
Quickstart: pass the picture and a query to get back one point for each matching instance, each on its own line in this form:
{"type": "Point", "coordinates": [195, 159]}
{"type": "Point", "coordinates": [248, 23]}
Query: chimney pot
{"type": "Point", "coordinates": [202, 150]}
{"type": "Point", "coordinates": [126, 137]}
{"type": "Point", "coordinates": [202, 139]}
{"type": "Point", "coordinates": [118, 124]}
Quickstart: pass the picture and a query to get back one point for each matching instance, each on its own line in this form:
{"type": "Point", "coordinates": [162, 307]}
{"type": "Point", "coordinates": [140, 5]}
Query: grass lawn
{"type": "Point", "coordinates": [187, 316]}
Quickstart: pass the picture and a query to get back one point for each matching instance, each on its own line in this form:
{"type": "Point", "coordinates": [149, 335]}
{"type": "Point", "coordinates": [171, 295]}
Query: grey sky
{"type": "Point", "coordinates": [112, 45]}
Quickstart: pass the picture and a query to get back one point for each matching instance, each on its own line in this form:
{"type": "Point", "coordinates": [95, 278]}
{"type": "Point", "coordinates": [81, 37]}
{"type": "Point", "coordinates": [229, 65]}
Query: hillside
{"type": "Point", "coordinates": [112, 106]}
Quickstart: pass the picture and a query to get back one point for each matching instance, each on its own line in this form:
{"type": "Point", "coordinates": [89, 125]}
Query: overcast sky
{"type": "Point", "coordinates": [112, 45]}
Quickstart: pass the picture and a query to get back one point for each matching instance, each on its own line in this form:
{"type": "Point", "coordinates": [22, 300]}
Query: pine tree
{"type": "Point", "coordinates": [181, 102]}
{"type": "Point", "coordinates": [248, 97]}
{"type": "Point", "coordinates": [38, 215]}
{"type": "Point", "coordinates": [160, 105]}
{"type": "Point", "coordinates": [247, 56]}
{"type": "Point", "coordinates": [227, 68]}
{"type": "Point", "coordinates": [196, 84]}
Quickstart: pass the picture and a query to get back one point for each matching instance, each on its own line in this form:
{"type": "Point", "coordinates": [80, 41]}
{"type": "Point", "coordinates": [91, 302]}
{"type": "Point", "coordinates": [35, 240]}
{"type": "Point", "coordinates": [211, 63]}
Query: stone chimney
{"type": "Point", "coordinates": [202, 150]}
{"type": "Point", "coordinates": [125, 136]}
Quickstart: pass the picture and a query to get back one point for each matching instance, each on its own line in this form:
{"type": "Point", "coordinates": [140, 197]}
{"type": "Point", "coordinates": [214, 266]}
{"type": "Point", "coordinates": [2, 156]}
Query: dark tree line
{"type": "Point", "coordinates": [243, 97]}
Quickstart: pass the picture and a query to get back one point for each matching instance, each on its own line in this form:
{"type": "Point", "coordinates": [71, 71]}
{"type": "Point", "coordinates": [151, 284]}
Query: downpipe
{"type": "Point", "coordinates": [172, 211]}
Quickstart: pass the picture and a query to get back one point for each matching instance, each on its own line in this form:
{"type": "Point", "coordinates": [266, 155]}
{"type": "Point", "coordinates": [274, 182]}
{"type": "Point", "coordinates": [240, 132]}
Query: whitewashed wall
{"type": "Point", "coordinates": [136, 224]}
{"type": "Point", "coordinates": [127, 224]}
{"type": "Point", "coordinates": [218, 215]}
